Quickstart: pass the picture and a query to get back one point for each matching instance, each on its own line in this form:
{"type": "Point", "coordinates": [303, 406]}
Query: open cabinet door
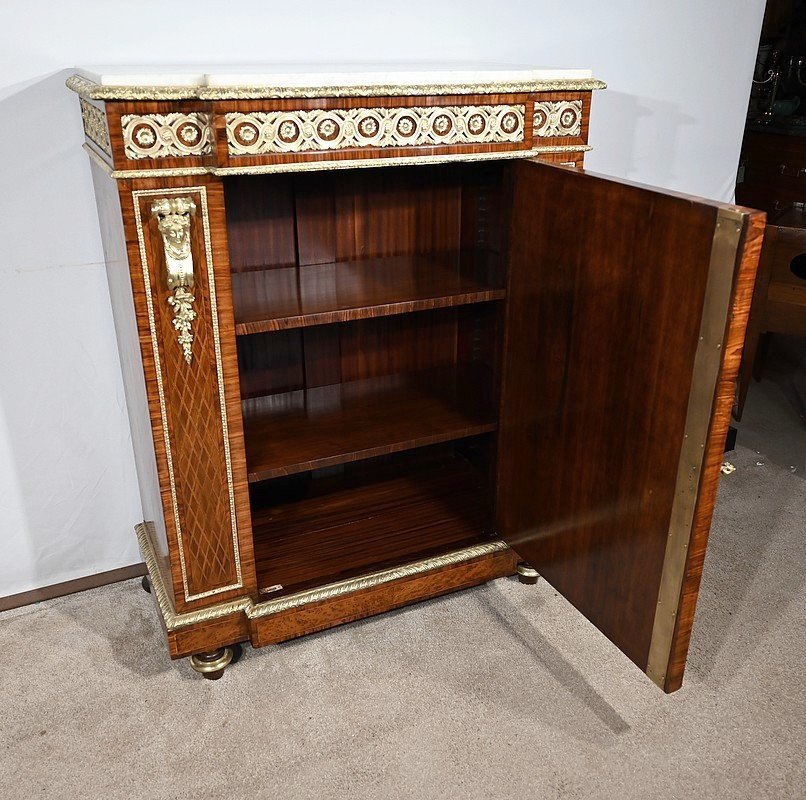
{"type": "Point", "coordinates": [625, 322]}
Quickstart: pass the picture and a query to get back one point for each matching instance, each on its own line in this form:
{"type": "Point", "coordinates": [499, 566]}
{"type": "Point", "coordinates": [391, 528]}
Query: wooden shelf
{"type": "Point", "coordinates": [296, 297]}
{"type": "Point", "coordinates": [321, 427]}
{"type": "Point", "coordinates": [348, 527]}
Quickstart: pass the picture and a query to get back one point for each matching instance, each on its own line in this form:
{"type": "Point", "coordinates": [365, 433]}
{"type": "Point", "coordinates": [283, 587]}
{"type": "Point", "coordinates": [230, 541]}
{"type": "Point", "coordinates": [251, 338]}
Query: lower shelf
{"type": "Point", "coordinates": [350, 527]}
{"type": "Point", "coordinates": [328, 425]}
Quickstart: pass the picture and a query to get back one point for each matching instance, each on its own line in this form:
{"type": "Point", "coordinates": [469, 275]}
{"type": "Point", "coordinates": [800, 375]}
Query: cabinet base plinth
{"type": "Point", "coordinates": [207, 635]}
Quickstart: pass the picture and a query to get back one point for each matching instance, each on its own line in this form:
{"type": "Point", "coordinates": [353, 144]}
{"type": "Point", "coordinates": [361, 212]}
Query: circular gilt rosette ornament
{"type": "Point", "coordinates": [288, 132]}
{"type": "Point", "coordinates": [245, 133]}
{"type": "Point", "coordinates": [569, 118]}
{"type": "Point", "coordinates": [188, 134]}
{"type": "Point", "coordinates": [328, 130]}
{"type": "Point", "coordinates": [476, 125]}
{"type": "Point", "coordinates": [406, 126]}
{"type": "Point", "coordinates": [441, 125]}
{"type": "Point", "coordinates": [509, 122]}
{"type": "Point", "coordinates": [541, 118]}
{"type": "Point", "coordinates": [369, 128]}
{"type": "Point", "coordinates": [145, 138]}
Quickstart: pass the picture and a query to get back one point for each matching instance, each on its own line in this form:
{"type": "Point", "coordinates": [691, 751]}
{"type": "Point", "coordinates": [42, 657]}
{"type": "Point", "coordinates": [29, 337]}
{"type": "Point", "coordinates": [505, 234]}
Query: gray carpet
{"type": "Point", "coordinates": [497, 692]}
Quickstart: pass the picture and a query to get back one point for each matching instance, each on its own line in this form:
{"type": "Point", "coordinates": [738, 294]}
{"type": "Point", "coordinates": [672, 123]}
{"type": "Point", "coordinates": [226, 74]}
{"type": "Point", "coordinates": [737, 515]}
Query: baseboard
{"type": "Point", "coordinates": [71, 587]}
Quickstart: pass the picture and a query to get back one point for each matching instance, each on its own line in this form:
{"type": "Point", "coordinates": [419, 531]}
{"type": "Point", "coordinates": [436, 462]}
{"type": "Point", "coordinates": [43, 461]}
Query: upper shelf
{"type": "Point", "coordinates": [296, 297]}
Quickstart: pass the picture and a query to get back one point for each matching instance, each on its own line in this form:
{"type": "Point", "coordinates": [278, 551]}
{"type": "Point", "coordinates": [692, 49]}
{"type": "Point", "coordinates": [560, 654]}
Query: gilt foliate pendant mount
{"type": "Point", "coordinates": [182, 304]}
{"type": "Point", "coordinates": [173, 217]}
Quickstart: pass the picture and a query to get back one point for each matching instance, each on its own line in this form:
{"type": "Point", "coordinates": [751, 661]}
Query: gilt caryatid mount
{"type": "Point", "coordinates": [173, 217]}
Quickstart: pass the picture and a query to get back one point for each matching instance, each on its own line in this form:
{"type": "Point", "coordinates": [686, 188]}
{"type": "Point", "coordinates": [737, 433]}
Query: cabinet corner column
{"type": "Point", "coordinates": [179, 263]}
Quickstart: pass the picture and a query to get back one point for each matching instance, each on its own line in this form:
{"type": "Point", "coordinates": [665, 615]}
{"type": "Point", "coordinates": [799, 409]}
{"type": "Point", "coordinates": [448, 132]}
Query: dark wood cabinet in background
{"type": "Point", "coordinates": [772, 172]}
{"type": "Point", "coordinates": [352, 389]}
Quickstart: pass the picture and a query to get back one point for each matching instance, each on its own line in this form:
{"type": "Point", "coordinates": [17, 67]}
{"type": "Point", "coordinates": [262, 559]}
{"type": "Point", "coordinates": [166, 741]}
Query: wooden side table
{"type": "Point", "coordinates": [779, 301]}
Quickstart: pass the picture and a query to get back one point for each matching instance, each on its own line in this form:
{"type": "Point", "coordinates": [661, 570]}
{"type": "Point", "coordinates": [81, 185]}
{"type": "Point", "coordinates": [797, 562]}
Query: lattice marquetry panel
{"type": "Point", "coordinates": [198, 490]}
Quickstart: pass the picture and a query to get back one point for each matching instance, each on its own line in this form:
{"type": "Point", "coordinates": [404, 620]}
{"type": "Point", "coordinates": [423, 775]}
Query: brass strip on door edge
{"type": "Point", "coordinates": [707, 362]}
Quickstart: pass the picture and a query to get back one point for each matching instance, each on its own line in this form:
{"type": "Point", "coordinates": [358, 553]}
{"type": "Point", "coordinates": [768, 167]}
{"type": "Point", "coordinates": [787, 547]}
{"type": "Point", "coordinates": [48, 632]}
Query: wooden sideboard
{"type": "Point", "coordinates": [773, 168]}
{"type": "Point", "coordinates": [779, 296]}
{"type": "Point", "coordinates": [376, 351]}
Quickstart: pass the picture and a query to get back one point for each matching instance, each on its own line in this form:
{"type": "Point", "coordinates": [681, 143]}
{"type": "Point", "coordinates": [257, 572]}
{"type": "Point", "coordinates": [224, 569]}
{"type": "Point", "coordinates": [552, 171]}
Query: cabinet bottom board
{"type": "Point", "coordinates": [347, 526]}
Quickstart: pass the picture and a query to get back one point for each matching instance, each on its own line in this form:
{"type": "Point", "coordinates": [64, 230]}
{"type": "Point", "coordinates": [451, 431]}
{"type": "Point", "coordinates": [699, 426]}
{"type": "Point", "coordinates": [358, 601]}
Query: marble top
{"type": "Point", "coordinates": [300, 80]}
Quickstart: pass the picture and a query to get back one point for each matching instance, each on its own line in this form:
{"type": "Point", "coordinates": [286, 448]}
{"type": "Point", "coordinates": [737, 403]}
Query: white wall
{"type": "Point", "coordinates": [679, 76]}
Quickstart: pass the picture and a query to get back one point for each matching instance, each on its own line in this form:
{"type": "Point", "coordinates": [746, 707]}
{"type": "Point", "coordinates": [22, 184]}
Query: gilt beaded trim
{"type": "Point", "coordinates": [337, 164]}
{"type": "Point", "coordinates": [95, 91]}
{"type": "Point", "coordinates": [341, 588]}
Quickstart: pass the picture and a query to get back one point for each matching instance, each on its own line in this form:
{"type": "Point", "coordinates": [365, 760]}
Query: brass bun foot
{"type": "Point", "coordinates": [212, 665]}
{"type": "Point", "coordinates": [527, 574]}
{"type": "Point", "coordinates": [146, 583]}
